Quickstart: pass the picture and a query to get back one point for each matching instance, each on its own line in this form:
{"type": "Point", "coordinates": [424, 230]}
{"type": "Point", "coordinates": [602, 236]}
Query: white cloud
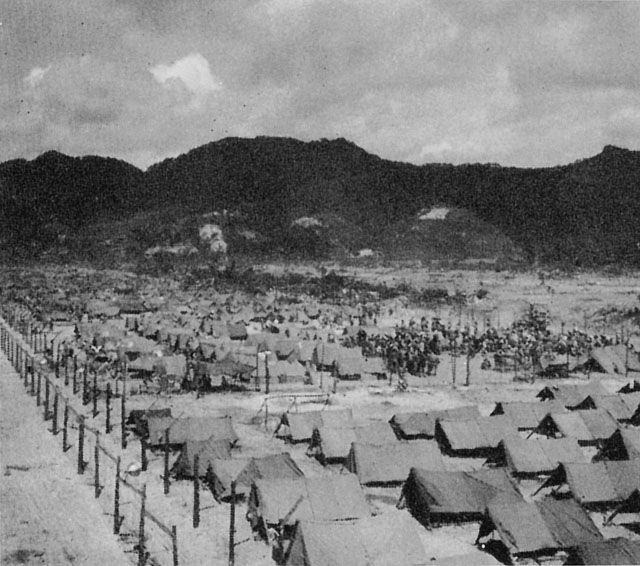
{"type": "Point", "coordinates": [36, 75]}
{"type": "Point", "coordinates": [193, 71]}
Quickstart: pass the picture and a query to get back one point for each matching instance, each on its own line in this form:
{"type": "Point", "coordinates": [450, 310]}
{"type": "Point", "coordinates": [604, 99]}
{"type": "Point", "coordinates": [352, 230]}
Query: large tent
{"type": "Point", "coordinates": [622, 407]}
{"type": "Point", "coordinates": [207, 452]}
{"type": "Point", "coordinates": [332, 445]}
{"type": "Point", "coordinates": [598, 484]}
{"type": "Point", "coordinates": [411, 426]}
{"type": "Point", "coordinates": [527, 416]}
{"type": "Point", "coordinates": [531, 457]}
{"type": "Point", "coordinates": [589, 428]}
{"type": "Point", "coordinates": [440, 497]}
{"type": "Point", "coordinates": [180, 430]}
{"type": "Point", "coordinates": [478, 437]}
{"type": "Point", "coordinates": [390, 539]}
{"type": "Point", "coordinates": [244, 471]}
{"type": "Point", "coordinates": [331, 498]}
{"type": "Point", "coordinates": [390, 464]}
{"type": "Point", "coordinates": [538, 528]}
{"type": "Point", "coordinates": [570, 394]}
{"type": "Point", "coordinates": [299, 427]}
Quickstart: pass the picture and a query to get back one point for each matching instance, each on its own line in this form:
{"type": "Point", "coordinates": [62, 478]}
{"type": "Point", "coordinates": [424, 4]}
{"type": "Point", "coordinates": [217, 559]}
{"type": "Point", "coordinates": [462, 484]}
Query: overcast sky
{"type": "Point", "coordinates": [518, 83]}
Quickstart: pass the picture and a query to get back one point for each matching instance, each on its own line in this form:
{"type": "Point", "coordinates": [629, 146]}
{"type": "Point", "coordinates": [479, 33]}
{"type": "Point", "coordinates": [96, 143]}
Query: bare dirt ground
{"type": "Point", "coordinates": [48, 516]}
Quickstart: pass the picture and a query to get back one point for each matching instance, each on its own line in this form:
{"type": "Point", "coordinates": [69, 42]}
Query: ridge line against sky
{"type": "Point", "coordinates": [530, 84]}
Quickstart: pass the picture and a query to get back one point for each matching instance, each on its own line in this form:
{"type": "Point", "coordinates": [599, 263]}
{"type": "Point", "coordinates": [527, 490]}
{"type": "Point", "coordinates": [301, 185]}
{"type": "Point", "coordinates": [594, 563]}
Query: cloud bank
{"type": "Point", "coordinates": [528, 84]}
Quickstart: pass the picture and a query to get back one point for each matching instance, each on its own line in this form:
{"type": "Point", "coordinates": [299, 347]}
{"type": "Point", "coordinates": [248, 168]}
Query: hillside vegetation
{"type": "Point", "coordinates": [584, 213]}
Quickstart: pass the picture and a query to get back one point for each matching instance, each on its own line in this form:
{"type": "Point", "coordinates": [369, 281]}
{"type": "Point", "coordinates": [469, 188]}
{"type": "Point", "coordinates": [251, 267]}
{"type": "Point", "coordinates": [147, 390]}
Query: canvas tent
{"type": "Point", "coordinates": [531, 457]}
{"type": "Point", "coordinates": [138, 418]}
{"type": "Point", "coordinates": [190, 428]}
{"type": "Point", "coordinates": [207, 451]}
{"type": "Point", "coordinates": [570, 394]}
{"type": "Point", "coordinates": [390, 464]}
{"type": "Point", "coordinates": [478, 437]}
{"type": "Point", "coordinates": [623, 444]}
{"type": "Point", "coordinates": [611, 551]}
{"type": "Point", "coordinates": [411, 426]}
{"type": "Point", "coordinates": [244, 471]}
{"type": "Point", "coordinates": [331, 498]}
{"type": "Point", "coordinates": [598, 484]}
{"type": "Point", "coordinates": [538, 528]}
{"type": "Point", "coordinates": [622, 407]}
{"type": "Point", "coordinates": [589, 428]}
{"type": "Point", "coordinates": [441, 497]}
{"type": "Point", "coordinates": [298, 427]}
{"type": "Point", "coordinates": [332, 445]}
{"type": "Point", "coordinates": [390, 539]}
{"type": "Point", "coordinates": [527, 416]}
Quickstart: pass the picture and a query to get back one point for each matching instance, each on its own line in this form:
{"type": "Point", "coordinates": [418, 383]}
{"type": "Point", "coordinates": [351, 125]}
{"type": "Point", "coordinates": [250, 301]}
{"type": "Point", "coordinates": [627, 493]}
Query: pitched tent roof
{"type": "Point", "coordinates": [391, 463]}
{"type": "Point", "coordinates": [474, 436]}
{"type": "Point", "coordinates": [599, 483]}
{"type": "Point", "coordinates": [206, 450]}
{"type": "Point", "coordinates": [423, 425]}
{"type": "Point", "coordinates": [331, 498]}
{"type": "Point", "coordinates": [442, 496]}
{"type": "Point", "coordinates": [611, 551]}
{"type": "Point", "coordinates": [622, 406]}
{"type": "Point", "coordinates": [540, 456]}
{"type": "Point", "coordinates": [540, 527]}
{"type": "Point", "coordinates": [389, 539]}
{"type": "Point", "coordinates": [571, 394]}
{"type": "Point", "coordinates": [527, 416]}
{"type": "Point", "coordinates": [190, 428]}
{"type": "Point", "coordinates": [139, 418]}
{"type": "Point", "coordinates": [244, 471]}
{"type": "Point", "coordinates": [298, 427]}
{"type": "Point", "coordinates": [331, 443]}
{"type": "Point", "coordinates": [587, 427]}
{"type": "Point", "coordinates": [623, 444]}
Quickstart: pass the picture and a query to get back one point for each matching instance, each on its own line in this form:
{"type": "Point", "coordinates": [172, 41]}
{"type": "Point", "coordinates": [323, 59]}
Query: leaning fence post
{"type": "Point", "coordinates": [107, 425]}
{"type": "Point", "coordinates": [166, 462]}
{"type": "Point", "coordinates": [54, 429]}
{"type": "Point", "coordinates": [174, 544]}
{"type": "Point", "coordinates": [232, 525]}
{"type": "Point", "coordinates": [65, 424]}
{"type": "Point", "coordinates": [81, 444]}
{"type": "Point", "coordinates": [96, 466]}
{"type": "Point", "coordinates": [116, 500]}
{"type": "Point", "coordinates": [141, 549]}
{"type": "Point", "coordinates": [196, 491]}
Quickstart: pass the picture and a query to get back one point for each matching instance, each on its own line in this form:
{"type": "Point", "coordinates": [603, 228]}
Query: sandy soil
{"type": "Point", "coordinates": [47, 515]}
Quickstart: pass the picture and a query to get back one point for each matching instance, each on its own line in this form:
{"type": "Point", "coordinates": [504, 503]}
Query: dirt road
{"type": "Point", "coordinates": [47, 512]}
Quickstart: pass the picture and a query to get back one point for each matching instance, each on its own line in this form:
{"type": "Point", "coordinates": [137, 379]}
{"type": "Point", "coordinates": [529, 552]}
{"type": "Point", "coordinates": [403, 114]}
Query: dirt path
{"type": "Point", "coordinates": [47, 512]}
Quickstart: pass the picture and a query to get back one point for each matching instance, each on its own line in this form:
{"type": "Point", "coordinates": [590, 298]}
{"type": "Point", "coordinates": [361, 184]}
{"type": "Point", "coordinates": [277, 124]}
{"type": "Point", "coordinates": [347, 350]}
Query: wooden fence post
{"type": "Point", "coordinates": [166, 462]}
{"type": "Point", "coordinates": [57, 362]}
{"type": "Point", "coordinates": [38, 389]}
{"type": "Point", "coordinates": [196, 491]}
{"type": "Point", "coordinates": [123, 414]}
{"type": "Point", "coordinates": [232, 526]}
{"type": "Point", "coordinates": [116, 501]}
{"type": "Point", "coordinates": [30, 364]}
{"type": "Point", "coordinates": [143, 454]}
{"type": "Point", "coordinates": [94, 413]}
{"type": "Point", "coordinates": [46, 398]}
{"type": "Point", "coordinates": [81, 444]}
{"type": "Point", "coordinates": [108, 409]}
{"type": "Point", "coordinates": [75, 374]}
{"type": "Point", "coordinates": [85, 385]}
{"type": "Point", "coordinates": [174, 544]}
{"type": "Point", "coordinates": [96, 466]}
{"type": "Point", "coordinates": [54, 429]}
{"type": "Point", "coordinates": [65, 430]}
{"type": "Point", "coordinates": [141, 548]}
{"type": "Point", "coordinates": [32, 389]}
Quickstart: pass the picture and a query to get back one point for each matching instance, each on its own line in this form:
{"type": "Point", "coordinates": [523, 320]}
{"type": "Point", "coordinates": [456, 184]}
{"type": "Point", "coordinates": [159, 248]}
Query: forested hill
{"type": "Point", "coordinates": [583, 213]}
